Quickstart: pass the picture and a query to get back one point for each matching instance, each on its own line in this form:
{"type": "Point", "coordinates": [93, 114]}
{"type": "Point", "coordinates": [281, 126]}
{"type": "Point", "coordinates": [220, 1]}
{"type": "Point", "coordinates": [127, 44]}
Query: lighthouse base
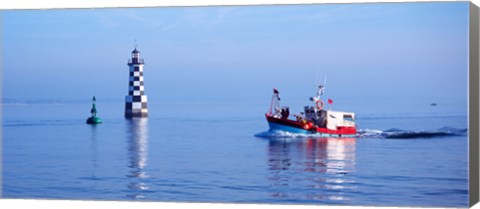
{"type": "Point", "coordinates": [136, 106]}
{"type": "Point", "coordinates": [136, 113]}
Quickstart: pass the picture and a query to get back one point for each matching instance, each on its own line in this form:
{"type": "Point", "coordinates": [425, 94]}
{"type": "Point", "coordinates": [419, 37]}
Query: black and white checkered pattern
{"type": "Point", "coordinates": [136, 100]}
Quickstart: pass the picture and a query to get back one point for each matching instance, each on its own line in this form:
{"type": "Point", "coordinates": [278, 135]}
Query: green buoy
{"type": "Point", "coordinates": [94, 119]}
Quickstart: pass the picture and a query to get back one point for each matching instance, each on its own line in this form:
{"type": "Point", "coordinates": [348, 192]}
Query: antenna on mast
{"type": "Point", "coordinates": [324, 82]}
{"type": "Point", "coordinates": [316, 75]}
{"type": "Point", "coordinates": [135, 43]}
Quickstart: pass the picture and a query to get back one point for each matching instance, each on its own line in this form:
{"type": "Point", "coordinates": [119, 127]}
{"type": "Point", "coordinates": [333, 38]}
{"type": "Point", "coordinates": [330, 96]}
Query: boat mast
{"type": "Point", "coordinates": [275, 103]}
{"type": "Point", "coordinates": [317, 99]}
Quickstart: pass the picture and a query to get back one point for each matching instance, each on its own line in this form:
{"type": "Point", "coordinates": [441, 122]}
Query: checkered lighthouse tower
{"type": "Point", "coordinates": [136, 100]}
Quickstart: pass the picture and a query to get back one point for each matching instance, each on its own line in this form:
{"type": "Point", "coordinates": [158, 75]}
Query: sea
{"type": "Point", "coordinates": [405, 154]}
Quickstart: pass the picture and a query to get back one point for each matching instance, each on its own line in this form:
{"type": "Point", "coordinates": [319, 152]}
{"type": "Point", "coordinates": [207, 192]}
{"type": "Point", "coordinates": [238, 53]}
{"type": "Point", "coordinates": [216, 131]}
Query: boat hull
{"type": "Point", "coordinates": [287, 125]}
{"type": "Point", "coordinates": [276, 126]}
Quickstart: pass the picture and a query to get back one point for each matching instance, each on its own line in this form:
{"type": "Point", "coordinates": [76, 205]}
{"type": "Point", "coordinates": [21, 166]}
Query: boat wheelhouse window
{"type": "Point", "coordinates": [348, 117]}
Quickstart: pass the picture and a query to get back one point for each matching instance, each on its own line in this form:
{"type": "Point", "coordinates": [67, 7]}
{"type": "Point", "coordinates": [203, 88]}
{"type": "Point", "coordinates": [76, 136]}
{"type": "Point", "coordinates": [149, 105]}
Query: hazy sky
{"type": "Point", "coordinates": [400, 51]}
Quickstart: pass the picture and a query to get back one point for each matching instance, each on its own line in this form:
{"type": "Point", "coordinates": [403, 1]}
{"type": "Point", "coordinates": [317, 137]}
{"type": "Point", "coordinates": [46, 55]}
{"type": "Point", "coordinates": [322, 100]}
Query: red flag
{"type": "Point", "coordinates": [330, 101]}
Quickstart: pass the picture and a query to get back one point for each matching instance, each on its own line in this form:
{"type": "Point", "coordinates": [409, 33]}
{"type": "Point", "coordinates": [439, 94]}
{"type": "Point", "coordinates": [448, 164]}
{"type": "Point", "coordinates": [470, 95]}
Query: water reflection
{"type": "Point", "coordinates": [137, 133]}
{"type": "Point", "coordinates": [313, 169]}
{"type": "Point", "coordinates": [93, 149]}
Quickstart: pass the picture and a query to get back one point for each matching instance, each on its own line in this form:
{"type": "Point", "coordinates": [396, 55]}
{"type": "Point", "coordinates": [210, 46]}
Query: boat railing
{"type": "Point", "coordinates": [135, 61]}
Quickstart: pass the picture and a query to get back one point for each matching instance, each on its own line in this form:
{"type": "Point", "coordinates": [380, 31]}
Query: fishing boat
{"type": "Point", "coordinates": [314, 120]}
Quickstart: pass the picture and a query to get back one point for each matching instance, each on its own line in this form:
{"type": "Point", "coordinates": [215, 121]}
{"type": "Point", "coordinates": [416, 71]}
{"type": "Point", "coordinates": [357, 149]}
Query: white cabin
{"type": "Point", "coordinates": [340, 119]}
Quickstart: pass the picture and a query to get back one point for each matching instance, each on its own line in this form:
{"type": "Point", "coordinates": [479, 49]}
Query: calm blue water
{"type": "Point", "coordinates": [222, 153]}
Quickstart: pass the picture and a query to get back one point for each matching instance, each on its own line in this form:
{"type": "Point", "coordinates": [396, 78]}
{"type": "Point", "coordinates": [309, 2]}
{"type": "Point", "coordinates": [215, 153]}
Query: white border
{"type": "Point", "coordinates": [59, 4]}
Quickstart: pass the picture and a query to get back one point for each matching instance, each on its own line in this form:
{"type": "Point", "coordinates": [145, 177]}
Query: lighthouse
{"type": "Point", "coordinates": [136, 100]}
